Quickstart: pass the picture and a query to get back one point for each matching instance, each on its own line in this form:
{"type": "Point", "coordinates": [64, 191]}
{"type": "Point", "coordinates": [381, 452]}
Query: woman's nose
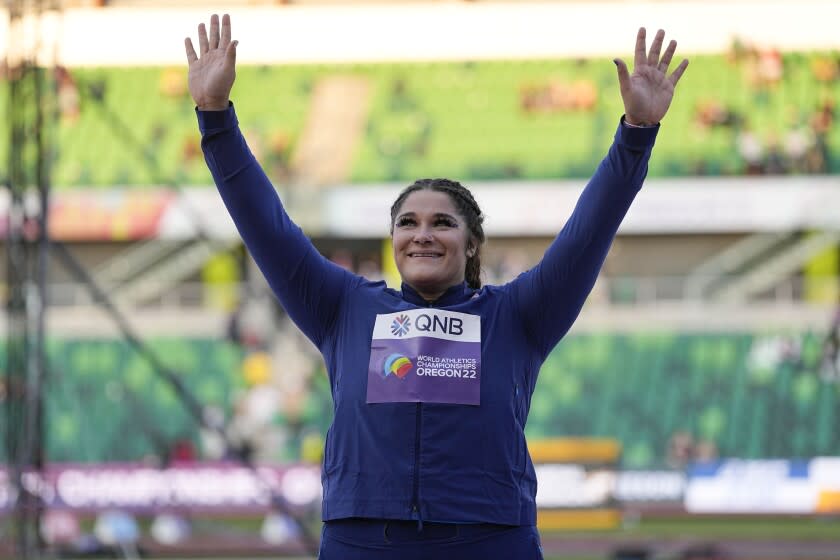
{"type": "Point", "coordinates": [422, 235]}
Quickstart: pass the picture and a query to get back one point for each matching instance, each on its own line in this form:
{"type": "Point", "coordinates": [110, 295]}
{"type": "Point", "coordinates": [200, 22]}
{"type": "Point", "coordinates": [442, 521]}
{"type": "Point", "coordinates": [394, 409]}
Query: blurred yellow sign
{"type": "Point", "coordinates": [576, 483]}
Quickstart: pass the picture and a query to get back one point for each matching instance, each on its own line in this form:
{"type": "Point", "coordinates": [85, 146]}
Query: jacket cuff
{"type": "Point", "coordinates": [639, 138]}
{"type": "Point", "coordinates": [216, 120]}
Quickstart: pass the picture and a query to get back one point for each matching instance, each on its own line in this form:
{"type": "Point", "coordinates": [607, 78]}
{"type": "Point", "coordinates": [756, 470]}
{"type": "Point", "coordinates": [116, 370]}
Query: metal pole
{"type": "Point", "coordinates": [28, 115]}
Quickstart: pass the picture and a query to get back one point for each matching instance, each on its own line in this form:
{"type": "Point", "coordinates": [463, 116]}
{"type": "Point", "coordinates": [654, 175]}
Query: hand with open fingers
{"type": "Point", "coordinates": [213, 70]}
{"type": "Point", "coordinates": [648, 91]}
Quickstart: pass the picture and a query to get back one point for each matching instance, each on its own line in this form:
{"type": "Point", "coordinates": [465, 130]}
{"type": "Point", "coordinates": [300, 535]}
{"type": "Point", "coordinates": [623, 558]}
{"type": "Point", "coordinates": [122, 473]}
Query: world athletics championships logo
{"type": "Point", "coordinates": [396, 364]}
{"type": "Point", "coordinates": [400, 325]}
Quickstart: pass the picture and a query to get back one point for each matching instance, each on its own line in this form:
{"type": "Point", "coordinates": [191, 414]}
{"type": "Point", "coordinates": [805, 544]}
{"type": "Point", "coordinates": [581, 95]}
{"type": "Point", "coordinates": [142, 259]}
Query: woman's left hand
{"type": "Point", "coordinates": [647, 93]}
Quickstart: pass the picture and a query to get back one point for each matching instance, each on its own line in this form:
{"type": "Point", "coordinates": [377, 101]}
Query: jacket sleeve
{"type": "Point", "coordinates": [551, 295]}
{"type": "Point", "coordinates": [309, 286]}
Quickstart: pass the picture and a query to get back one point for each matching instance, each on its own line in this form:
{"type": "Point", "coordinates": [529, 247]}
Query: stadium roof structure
{"type": "Point", "coordinates": [665, 206]}
{"type": "Point", "coordinates": [128, 36]}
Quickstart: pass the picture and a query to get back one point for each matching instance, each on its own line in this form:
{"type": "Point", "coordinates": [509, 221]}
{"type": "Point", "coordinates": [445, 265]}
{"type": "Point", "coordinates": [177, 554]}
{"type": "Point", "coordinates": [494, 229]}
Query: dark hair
{"type": "Point", "coordinates": [466, 205]}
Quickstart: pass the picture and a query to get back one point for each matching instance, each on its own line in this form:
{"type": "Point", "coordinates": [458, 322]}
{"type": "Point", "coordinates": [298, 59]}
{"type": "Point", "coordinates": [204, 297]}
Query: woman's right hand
{"type": "Point", "coordinates": [211, 74]}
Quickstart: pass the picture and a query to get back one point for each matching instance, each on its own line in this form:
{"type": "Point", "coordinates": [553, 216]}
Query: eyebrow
{"type": "Point", "coordinates": [435, 215]}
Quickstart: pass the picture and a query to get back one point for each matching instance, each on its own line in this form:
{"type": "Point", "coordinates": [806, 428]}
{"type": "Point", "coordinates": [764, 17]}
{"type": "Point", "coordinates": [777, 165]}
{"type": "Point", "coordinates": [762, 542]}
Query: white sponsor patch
{"type": "Point", "coordinates": [434, 323]}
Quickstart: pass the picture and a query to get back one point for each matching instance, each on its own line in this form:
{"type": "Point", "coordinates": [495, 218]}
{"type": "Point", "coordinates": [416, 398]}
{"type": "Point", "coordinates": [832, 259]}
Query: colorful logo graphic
{"type": "Point", "coordinates": [396, 364]}
{"type": "Point", "coordinates": [400, 325]}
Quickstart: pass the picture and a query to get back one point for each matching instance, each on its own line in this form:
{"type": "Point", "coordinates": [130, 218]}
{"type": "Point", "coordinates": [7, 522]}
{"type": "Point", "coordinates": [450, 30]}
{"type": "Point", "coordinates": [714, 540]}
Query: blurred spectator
{"type": "Point", "coordinates": [816, 160]}
{"type": "Point", "coordinates": [768, 353]}
{"type": "Point", "coordinates": [212, 442]}
{"type": "Point", "coordinates": [711, 113]}
{"type": "Point", "coordinates": [280, 146]}
{"type": "Point", "coordinates": [173, 83]}
{"type": "Point", "coordinates": [790, 349]}
{"type": "Point", "coordinates": [256, 369]}
{"type": "Point", "coordinates": [751, 150]}
{"type": "Point", "coordinates": [830, 360]}
{"type": "Point", "coordinates": [251, 323]}
{"type": "Point", "coordinates": [254, 409]}
{"type": "Point", "coordinates": [401, 99]}
{"type": "Point", "coordinates": [801, 147]}
{"type": "Point", "coordinates": [680, 450]}
{"type": "Point", "coordinates": [769, 68]}
{"type": "Point", "coordinates": [705, 451]}
{"type": "Point", "coordinates": [558, 96]}
{"type": "Point", "coordinates": [312, 447]}
{"type": "Point", "coordinates": [233, 331]}
{"type": "Point", "coordinates": [68, 95]}
{"type": "Point", "coordinates": [190, 149]}
{"type": "Point", "coordinates": [774, 160]}
{"type": "Point", "coordinates": [821, 124]}
{"type": "Point", "coordinates": [255, 141]}
{"type": "Point", "coordinates": [798, 141]}
{"type": "Point", "coordinates": [825, 69]}
{"type": "Point", "coordinates": [823, 119]}
{"type": "Point", "coordinates": [763, 70]}
{"type": "Point", "coordinates": [182, 451]}
{"type": "Point", "coordinates": [370, 268]}
{"type": "Point", "coordinates": [266, 422]}
{"type": "Point", "coordinates": [505, 267]}
{"type": "Point", "coordinates": [738, 51]}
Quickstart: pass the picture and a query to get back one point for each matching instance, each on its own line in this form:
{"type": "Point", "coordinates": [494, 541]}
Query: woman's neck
{"type": "Point", "coordinates": [430, 294]}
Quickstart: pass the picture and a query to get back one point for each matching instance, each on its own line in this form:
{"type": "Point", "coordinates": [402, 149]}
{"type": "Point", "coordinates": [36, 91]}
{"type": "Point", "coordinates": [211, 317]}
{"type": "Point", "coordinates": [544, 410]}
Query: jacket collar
{"type": "Point", "coordinates": [458, 293]}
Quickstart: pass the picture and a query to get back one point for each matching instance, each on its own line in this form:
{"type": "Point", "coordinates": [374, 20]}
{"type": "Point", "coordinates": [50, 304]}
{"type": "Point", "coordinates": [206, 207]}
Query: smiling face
{"type": "Point", "coordinates": [431, 243]}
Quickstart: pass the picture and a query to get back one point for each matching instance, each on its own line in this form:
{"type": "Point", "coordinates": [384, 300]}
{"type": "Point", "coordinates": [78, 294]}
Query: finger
{"type": "Point", "coordinates": [230, 53]}
{"type": "Point", "coordinates": [191, 56]}
{"type": "Point", "coordinates": [655, 47]}
{"type": "Point", "coordinates": [623, 74]}
{"type": "Point", "coordinates": [666, 58]}
{"type": "Point", "coordinates": [214, 31]}
{"type": "Point", "coordinates": [225, 32]}
{"type": "Point", "coordinates": [675, 77]}
{"type": "Point", "coordinates": [641, 49]}
{"type": "Point", "coordinates": [203, 45]}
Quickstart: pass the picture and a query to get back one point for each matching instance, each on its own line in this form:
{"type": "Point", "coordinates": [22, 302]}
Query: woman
{"type": "Point", "coordinates": [431, 384]}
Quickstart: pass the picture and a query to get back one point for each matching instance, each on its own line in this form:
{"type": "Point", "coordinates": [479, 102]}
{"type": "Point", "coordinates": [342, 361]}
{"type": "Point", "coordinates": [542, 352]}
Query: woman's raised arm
{"type": "Point", "coordinates": [308, 285]}
{"type": "Point", "coordinates": [551, 295]}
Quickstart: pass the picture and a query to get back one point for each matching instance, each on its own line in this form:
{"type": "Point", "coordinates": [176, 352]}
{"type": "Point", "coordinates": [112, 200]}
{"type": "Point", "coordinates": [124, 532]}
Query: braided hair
{"type": "Point", "coordinates": [466, 205]}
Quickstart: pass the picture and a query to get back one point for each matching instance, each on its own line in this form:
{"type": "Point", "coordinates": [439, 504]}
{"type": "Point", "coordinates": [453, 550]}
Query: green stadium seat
{"type": "Point", "coordinates": [105, 403]}
{"type": "Point", "coordinates": [136, 127]}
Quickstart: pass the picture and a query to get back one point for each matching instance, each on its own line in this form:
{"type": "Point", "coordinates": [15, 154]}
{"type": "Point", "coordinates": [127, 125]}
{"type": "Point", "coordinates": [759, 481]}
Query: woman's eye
{"type": "Point", "coordinates": [444, 222]}
{"type": "Point", "coordinates": [402, 222]}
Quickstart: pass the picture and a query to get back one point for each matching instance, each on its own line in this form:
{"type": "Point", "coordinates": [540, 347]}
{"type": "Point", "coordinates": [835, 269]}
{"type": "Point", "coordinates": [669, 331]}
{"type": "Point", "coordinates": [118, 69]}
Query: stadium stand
{"type": "Point", "coordinates": [668, 398]}
{"type": "Point", "coordinates": [747, 112]}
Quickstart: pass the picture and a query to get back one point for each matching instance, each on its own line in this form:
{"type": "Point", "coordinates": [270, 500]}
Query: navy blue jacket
{"type": "Point", "coordinates": [437, 462]}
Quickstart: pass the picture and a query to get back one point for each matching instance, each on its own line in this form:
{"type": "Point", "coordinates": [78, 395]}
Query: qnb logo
{"type": "Point", "coordinates": [401, 325]}
{"type": "Point", "coordinates": [435, 323]}
{"type": "Point", "coordinates": [396, 364]}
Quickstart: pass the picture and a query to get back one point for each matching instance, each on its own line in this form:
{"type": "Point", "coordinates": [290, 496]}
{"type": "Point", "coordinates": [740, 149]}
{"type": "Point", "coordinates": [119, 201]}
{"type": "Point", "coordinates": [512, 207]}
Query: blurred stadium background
{"type": "Point", "coordinates": [156, 400]}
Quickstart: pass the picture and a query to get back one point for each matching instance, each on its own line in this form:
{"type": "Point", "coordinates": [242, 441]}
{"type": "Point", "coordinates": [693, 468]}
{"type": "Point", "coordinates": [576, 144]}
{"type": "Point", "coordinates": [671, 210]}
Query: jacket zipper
{"type": "Point", "coordinates": [416, 486]}
{"type": "Point", "coordinates": [415, 498]}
